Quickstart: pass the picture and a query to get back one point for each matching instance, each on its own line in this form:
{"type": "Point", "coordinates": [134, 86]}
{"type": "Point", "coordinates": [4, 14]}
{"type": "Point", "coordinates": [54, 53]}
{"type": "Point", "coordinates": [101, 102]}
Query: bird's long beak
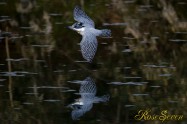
{"type": "Point", "coordinates": [70, 27]}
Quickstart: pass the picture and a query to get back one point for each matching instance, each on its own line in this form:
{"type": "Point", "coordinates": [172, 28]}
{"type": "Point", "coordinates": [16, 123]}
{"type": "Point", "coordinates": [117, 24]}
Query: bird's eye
{"type": "Point", "coordinates": [79, 23]}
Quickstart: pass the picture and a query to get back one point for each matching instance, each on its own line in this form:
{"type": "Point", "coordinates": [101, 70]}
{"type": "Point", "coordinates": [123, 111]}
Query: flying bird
{"type": "Point", "coordinates": [86, 27]}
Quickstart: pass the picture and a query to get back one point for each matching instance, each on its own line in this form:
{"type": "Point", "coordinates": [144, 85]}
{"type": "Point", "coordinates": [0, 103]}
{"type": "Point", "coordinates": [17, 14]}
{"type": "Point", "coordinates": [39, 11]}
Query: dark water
{"type": "Point", "coordinates": [143, 66]}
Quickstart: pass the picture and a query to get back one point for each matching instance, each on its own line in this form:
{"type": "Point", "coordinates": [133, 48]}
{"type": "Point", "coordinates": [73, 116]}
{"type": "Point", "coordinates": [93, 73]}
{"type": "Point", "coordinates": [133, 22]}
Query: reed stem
{"type": "Point", "coordinates": [9, 70]}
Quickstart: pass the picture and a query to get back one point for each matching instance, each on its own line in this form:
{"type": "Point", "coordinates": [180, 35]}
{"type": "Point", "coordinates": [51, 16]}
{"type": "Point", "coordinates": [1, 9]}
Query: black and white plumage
{"type": "Point", "coordinates": [86, 27]}
{"type": "Point", "coordinates": [84, 104]}
{"type": "Point", "coordinates": [80, 16]}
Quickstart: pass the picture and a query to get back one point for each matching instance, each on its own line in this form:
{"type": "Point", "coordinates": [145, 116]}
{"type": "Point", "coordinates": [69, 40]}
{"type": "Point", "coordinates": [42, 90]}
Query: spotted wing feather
{"type": "Point", "coordinates": [81, 16]}
{"type": "Point", "coordinates": [77, 113]}
{"type": "Point", "coordinates": [89, 47]}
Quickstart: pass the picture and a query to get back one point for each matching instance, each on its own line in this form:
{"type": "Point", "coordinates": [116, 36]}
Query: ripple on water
{"type": "Point", "coordinates": [116, 83]}
{"type": "Point", "coordinates": [140, 94]}
{"type": "Point", "coordinates": [51, 100]}
{"type": "Point", "coordinates": [16, 37]}
{"type": "Point", "coordinates": [142, 10]}
{"type": "Point", "coordinates": [28, 103]}
{"type": "Point", "coordinates": [31, 93]}
{"type": "Point", "coordinates": [155, 66]}
{"type": "Point", "coordinates": [75, 81]}
{"type": "Point", "coordinates": [73, 70]}
{"type": "Point", "coordinates": [58, 71]}
{"type": "Point", "coordinates": [3, 3]}
{"type": "Point", "coordinates": [104, 43]}
{"type": "Point", "coordinates": [55, 14]}
{"type": "Point", "coordinates": [128, 106]}
{"type": "Point", "coordinates": [126, 51]}
{"type": "Point", "coordinates": [1, 80]}
{"type": "Point", "coordinates": [68, 90]}
{"type": "Point", "coordinates": [154, 37]}
{"type": "Point", "coordinates": [128, 83]}
{"type": "Point", "coordinates": [173, 101]}
{"type": "Point", "coordinates": [80, 61]}
{"type": "Point", "coordinates": [155, 86]}
{"type": "Point", "coordinates": [127, 67]}
{"type": "Point", "coordinates": [132, 77]}
{"type": "Point", "coordinates": [25, 28]}
{"type": "Point", "coordinates": [181, 3]}
{"type": "Point", "coordinates": [165, 75]}
{"type": "Point", "coordinates": [39, 60]}
{"type": "Point", "coordinates": [32, 73]}
{"type": "Point", "coordinates": [179, 32]}
{"type": "Point", "coordinates": [17, 108]}
{"type": "Point", "coordinates": [39, 45]}
{"type": "Point", "coordinates": [177, 40]}
{"type": "Point", "coordinates": [49, 87]}
{"type": "Point", "coordinates": [13, 74]}
{"type": "Point", "coordinates": [1, 38]}
{"type": "Point", "coordinates": [129, 1]}
{"type": "Point", "coordinates": [159, 66]}
{"type": "Point", "coordinates": [129, 38]}
{"type": "Point", "coordinates": [115, 24]}
{"type": "Point", "coordinates": [6, 33]}
{"type": "Point", "coordinates": [4, 18]}
{"type": "Point", "coordinates": [59, 23]}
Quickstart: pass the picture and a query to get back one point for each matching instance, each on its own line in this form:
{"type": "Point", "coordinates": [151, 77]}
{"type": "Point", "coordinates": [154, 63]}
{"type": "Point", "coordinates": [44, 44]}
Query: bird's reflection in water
{"type": "Point", "coordinates": [84, 104]}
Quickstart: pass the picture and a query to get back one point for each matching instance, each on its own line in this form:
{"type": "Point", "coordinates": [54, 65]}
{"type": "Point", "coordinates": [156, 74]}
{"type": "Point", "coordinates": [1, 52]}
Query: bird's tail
{"type": "Point", "coordinates": [106, 33]}
{"type": "Point", "coordinates": [103, 98]}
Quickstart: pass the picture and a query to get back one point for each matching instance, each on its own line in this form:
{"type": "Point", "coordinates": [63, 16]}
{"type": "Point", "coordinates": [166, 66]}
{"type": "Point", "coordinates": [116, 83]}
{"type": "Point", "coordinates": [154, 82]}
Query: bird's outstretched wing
{"type": "Point", "coordinates": [88, 46]}
{"type": "Point", "coordinates": [88, 86]}
{"type": "Point", "coordinates": [80, 16]}
{"type": "Point", "coordinates": [77, 113]}
{"type": "Point", "coordinates": [88, 90]}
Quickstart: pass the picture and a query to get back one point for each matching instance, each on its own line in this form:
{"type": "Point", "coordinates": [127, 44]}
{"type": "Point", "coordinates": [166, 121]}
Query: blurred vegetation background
{"type": "Point", "coordinates": [143, 65]}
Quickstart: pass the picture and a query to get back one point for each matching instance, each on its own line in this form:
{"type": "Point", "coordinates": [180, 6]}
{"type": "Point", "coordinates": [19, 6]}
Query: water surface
{"type": "Point", "coordinates": [141, 66]}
